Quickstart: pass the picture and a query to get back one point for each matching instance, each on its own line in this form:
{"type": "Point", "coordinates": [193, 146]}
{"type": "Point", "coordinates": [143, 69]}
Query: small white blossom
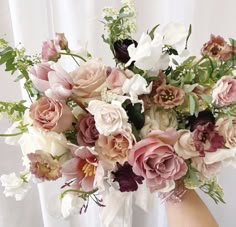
{"type": "Point", "coordinates": [14, 186]}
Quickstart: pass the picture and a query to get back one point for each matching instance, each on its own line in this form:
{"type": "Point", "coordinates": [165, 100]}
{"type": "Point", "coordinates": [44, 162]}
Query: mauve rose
{"type": "Point", "coordinates": [49, 51]}
{"type": "Point", "coordinates": [185, 146]}
{"type": "Point", "coordinates": [89, 79]}
{"type": "Point", "coordinates": [39, 76]}
{"type": "Point", "coordinates": [224, 91]}
{"type": "Point", "coordinates": [87, 134]}
{"type": "Point", "coordinates": [154, 158]}
{"type": "Point", "coordinates": [116, 79]}
{"type": "Point", "coordinates": [61, 41]}
{"type": "Point", "coordinates": [168, 96]}
{"type": "Point", "coordinates": [227, 129]}
{"type": "Point", "coordinates": [51, 115]}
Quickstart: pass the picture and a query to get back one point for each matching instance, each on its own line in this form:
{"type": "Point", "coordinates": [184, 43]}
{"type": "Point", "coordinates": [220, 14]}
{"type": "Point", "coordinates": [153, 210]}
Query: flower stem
{"type": "Point", "coordinates": [13, 134]}
{"type": "Point", "coordinates": [73, 55]}
{"type": "Point", "coordinates": [78, 191]}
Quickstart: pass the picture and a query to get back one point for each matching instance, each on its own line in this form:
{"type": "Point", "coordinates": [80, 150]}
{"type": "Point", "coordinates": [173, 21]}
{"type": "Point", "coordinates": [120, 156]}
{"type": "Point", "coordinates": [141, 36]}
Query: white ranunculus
{"type": "Point", "coordinates": [135, 86]}
{"type": "Point", "coordinates": [147, 54]}
{"type": "Point", "coordinates": [14, 186]}
{"type": "Point", "coordinates": [175, 34]}
{"type": "Point", "coordinates": [71, 204]}
{"type": "Point", "coordinates": [158, 119]}
{"type": "Point", "coordinates": [37, 139]}
{"type": "Point", "coordinates": [108, 118]}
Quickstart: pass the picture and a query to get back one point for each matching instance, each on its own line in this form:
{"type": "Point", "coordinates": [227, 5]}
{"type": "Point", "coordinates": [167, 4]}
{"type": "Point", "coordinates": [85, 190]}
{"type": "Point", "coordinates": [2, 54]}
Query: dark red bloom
{"type": "Point", "coordinates": [126, 178]}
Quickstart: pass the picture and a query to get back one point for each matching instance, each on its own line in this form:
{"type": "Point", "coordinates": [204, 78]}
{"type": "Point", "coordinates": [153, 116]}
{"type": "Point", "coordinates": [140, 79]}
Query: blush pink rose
{"type": "Point", "coordinates": [81, 169]}
{"type": "Point", "coordinates": [116, 79]}
{"type": "Point", "coordinates": [49, 51]}
{"type": "Point", "coordinates": [51, 115]}
{"type": "Point", "coordinates": [87, 134]}
{"type": "Point", "coordinates": [224, 91]}
{"type": "Point", "coordinates": [89, 79]}
{"type": "Point", "coordinates": [39, 76]}
{"type": "Point", "coordinates": [154, 159]}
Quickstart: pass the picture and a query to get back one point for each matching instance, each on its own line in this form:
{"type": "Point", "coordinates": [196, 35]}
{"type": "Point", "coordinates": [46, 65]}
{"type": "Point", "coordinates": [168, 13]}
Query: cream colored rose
{"type": "Point", "coordinates": [158, 119]}
{"type": "Point", "coordinates": [184, 146]}
{"type": "Point", "coordinates": [227, 129]}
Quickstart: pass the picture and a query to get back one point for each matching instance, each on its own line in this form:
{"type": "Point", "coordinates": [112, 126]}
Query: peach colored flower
{"type": "Point", "coordinates": [168, 96]}
{"type": "Point", "coordinates": [51, 115]}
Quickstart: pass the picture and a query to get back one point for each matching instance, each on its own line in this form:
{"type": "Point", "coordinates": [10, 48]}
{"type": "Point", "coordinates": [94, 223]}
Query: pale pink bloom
{"type": "Point", "coordinates": [43, 166]}
{"type": "Point", "coordinates": [227, 129]}
{"type": "Point", "coordinates": [168, 96]}
{"type": "Point", "coordinates": [87, 134]}
{"type": "Point", "coordinates": [60, 83]}
{"type": "Point", "coordinates": [89, 79]}
{"type": "Point", "coordinates": [61, 41]}
{"type": "Point", "coordinates": [49, 51]}
{"type": "Point", "coordinates": [116, 79]}
{"type": "Point", "coordinates": [224, 91]}
{"type": "Point", "coordinates": [39, 76]}
{"type": "Point", "coordinates": [154, 158]}
{"type": "Point", "coordinates": [81, 169]}
{"type": "Point", "coordinates": [51, 115]}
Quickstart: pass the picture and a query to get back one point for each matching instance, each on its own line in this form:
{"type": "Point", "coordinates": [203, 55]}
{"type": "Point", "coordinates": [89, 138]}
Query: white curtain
{"type": "Point", "coordinates": [31, 22]}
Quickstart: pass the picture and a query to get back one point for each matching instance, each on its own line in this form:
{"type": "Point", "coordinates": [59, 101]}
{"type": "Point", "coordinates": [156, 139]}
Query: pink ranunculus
{"type": "Point", "coordinates": [81, 169]}
{"type": "Point", "coordinates": [154, 158]}
{"type": "Point", "coordinates": [43, 166]}
{"type": "Point", "coordinates": [224, 91]}
{"type": "Point", "coordinates": [168, 96]}
{"type": "Point", "coordinates": [49, 51]}
{"type": "Point", "coordinates": [60, 83]}
{"type": "Point", "coordinates": [87, 134]}
{"type": "Point", "coordinates": [61, 41]}
{"type": "Point", "coordinates": [51, 115]}
{"type": "Point", "coordinates": [39, 76]}
{"type": "Point", "coordinates": [89, 79]}
{"type": "Point", "coordinates": [116, 79]}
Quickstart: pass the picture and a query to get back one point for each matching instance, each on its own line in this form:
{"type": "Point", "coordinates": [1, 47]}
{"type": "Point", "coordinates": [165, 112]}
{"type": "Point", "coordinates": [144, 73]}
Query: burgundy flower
{"type": "Point", "coordinates": [207, 139]}
{"type": "Point", "coordinates": [202, 118]}
{"type": "Point", "coordinates": [126, 178]}
{"type": "Point", "coordinates": [121, 49]}
{"type": "Point", "coordinates": [87, 133]}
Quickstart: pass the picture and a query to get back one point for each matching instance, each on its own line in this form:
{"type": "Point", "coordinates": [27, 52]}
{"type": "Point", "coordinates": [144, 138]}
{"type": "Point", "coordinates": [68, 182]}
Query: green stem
{"type": "Point", "coordinates": [73, 55]}
{"type": "Point", "coordinates": [14, 134]}
{"type": "Point", "coordinates": [78, 191]}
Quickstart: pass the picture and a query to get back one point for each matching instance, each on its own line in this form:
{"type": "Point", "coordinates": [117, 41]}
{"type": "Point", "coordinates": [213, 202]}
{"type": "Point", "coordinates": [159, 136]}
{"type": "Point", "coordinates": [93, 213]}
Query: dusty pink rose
{"type": "Point", "coordinates": [81, 169]}
{"type": "Point", "coordinates": [89, 79]}
{"type": "Point", "coordinates": [168, 96]}
{"type": "Point", "coordinates": [61, 41]}
{"type": "Point", "coordinates": [224, 91]}
{"type": "Point", "coordinates": [60, 83]}
{"type": "Point", "coordinates": [39, 76]}
{"type": "Point", "coordinates": [114, 148]}
{"type": "Point", "coordinates": [43, 166]}
{"type": "Point", "coordinates": [116, 79]}
{"type": "Point", "coordinates": [51, 115]}
{"type": "Point", "coordinates": [217, 47]}
{"type": "Point", "coordinates": [154, 158]}
{"type": "Point", "coordinates": [227, 129]}
{"type": "Point", "coordinates": [87, 134]}
{"type": "Point", "coordinates": [49, 51]}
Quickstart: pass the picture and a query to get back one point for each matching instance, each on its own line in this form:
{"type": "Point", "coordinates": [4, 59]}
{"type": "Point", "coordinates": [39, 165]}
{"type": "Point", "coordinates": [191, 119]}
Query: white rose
{"type": "Point", "coordinates": [147, 55]}
{"type": "Point", "coordinates": [71, 204]}
{"type": "Point", "coordinates": [158, 119]}
{"type": "Point", "coordinates": [184, 146]}
{"type": "Point", "coordinates": [108, 118]}
{"type": "Point", "coordinates": [14, 186]}
{"type": "Point", "coordinates": [36, 139]}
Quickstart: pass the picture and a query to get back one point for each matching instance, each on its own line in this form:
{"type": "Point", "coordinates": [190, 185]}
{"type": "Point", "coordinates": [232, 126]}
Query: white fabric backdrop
{"type": "Point", "coordinates": [31, 22]}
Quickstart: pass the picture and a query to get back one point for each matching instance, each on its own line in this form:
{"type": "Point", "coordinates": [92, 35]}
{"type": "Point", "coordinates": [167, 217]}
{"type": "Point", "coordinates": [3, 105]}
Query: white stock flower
{"type": "Point", "coordinates": [36, 139]}
{"type": "Point", "coordinates": [14, 186]}
{"type": "Point", "coordinates": [148, 54]}
{"type": "Point", "coordinates": [71, 204]}
{"type": "Point", "coordinates": [108, 118]}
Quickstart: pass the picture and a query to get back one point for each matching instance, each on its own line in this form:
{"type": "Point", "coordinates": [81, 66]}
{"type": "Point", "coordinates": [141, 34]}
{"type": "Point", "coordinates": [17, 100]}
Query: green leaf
{"type": "Point", "coordinates": [206, 98]}
{"type": "Point", "coordinates": [151, 33]}
{"type": "Point", "coordinates": [8, 55]}
{"type": "Point", "coordinates": [189, 33]}
{"type": "Point", "coordinates": [192, 104]}
{"type": "Point", "coordinates": [175, 62]}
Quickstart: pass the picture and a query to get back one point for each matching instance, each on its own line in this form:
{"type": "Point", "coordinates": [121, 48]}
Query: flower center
{"type": "Point", "coordinates": [167, 96]}
{"type": "Point", "coordinates": [89, 170]}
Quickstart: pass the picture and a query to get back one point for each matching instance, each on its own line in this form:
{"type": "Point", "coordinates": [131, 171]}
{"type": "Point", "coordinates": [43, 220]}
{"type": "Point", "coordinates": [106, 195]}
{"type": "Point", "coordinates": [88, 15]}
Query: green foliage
{"type": "Point", "coordinates": [191, 179]}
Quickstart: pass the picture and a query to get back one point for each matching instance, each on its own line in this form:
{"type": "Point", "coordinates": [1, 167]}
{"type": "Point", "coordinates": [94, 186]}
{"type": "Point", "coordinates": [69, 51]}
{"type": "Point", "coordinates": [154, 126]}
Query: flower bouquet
{"type": "Point", "coordinates": [158, 117]}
